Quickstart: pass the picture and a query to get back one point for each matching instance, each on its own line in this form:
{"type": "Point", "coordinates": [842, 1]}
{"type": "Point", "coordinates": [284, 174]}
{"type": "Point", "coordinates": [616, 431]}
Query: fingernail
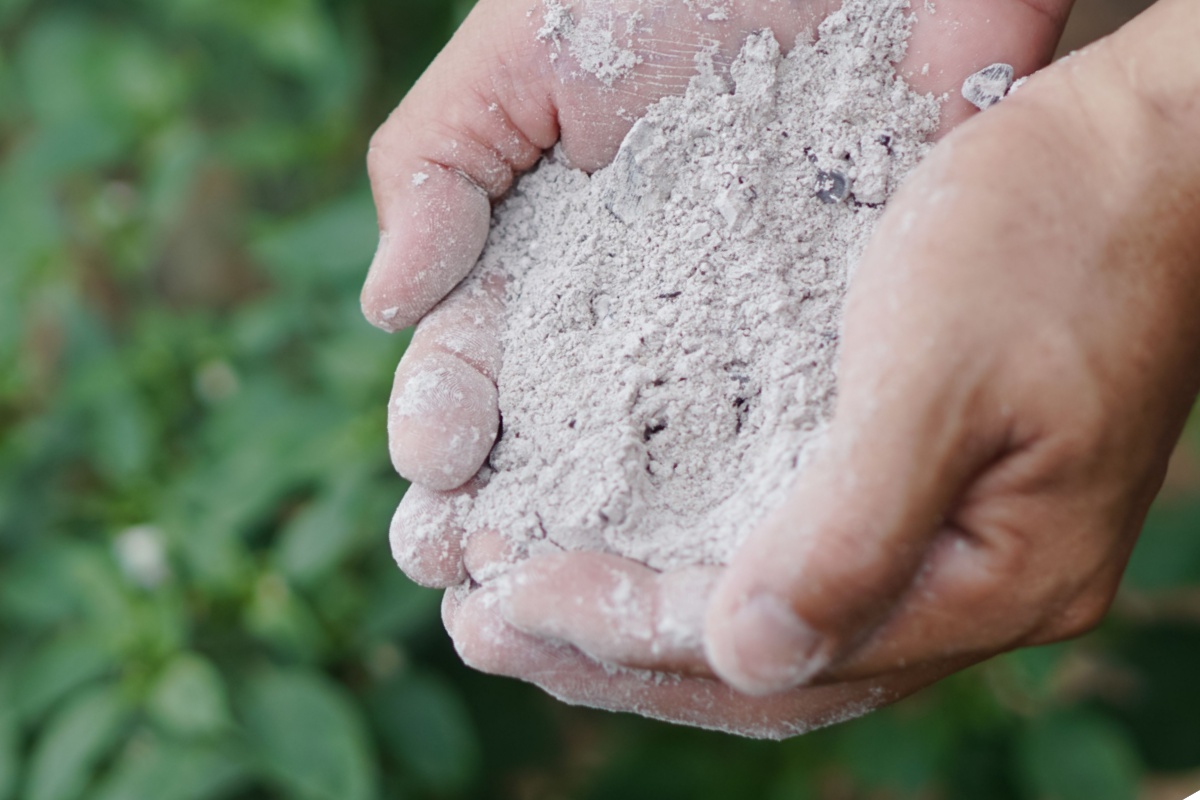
{"type": "Point", "coordinates": [775, 649]}
{"type": "Point", "coordinates": [384, 318]}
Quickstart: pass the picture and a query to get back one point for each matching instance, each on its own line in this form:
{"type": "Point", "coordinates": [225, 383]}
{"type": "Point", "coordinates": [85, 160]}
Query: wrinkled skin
{"type": "Point", "coordinates": [1019, 355]}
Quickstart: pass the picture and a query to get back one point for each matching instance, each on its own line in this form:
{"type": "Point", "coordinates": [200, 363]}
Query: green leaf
{"type": "Point", "coordinates": [216, 561]}
{"type": "Point", "coordinates": [10, 8]}
{"type": "Point", "coordinates": [75, 67]}
{"type": "Point", "coordinates": [120, 437]}
{"type": "Point", "coordinates": [426, 725]}
{"type": "Point", "coordinates": [339, 238]}
{"type": "Point", "coordinates": [55, 669]}
{"type": "Point", "coordinates": [64, 579]}
{"type": "Point", "coordinates": [49, 61]}
{"type": "Point", "coordinates": [1077, 755]}
{"type": "Point", "coordinates": [293, 35]}
{"type": "Point", "coordinates": [894, 750]}
{"type": "Point", "coordinates": [73, 742]}
{"type": "Point", "coordinates": [398, 607]}
{"type": "Point", "coordinates": [173, 162]}
{"type": "Point", "coordinates": [104, 592]}
{"type": "Point", "coordinates": [309, 736]}
{"type": "Point", "coordinates": [10, 754]}
{"type": "Point", "coordinates": [1160, 716]}
{"type": "Point", "coordinates": [356, 362]}
{"type": "Point", "coordinates": [1167, 555]}
{"type": "Point", "coordinates": [36, 588]}
{"type": "Point", "coordinates": [172, 771]}
{"type": "Point", "coordinates": [189, 697]}
{"type": "Point", "coordinates": [283, 618]}
{"type": "Point", "coordinates": [1033, 670]}
{"type": "Point", "coordinates": [323, 533]}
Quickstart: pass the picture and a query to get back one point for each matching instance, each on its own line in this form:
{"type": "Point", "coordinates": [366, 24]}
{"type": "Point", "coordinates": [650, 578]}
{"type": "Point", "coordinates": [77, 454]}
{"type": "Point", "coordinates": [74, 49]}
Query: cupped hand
{"type": "Point", "coordinates": [1020, 352]}
{"type": "Point", "coordinates": [487, 109]}
{"type": "Point", "coordinates": [500, 95]}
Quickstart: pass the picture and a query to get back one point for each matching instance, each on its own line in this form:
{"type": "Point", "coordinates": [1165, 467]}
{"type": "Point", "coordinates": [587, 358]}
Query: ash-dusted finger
{"type": "Point", "coordinates": [444, 415]}
{"type": "Point", "coordinates": [954, 38]}
{"type": "Point", "coordinates": [427, 535]}
{"type": "Point", "coordinates": [423, 254]}
{"type": "Point", "coordinates": [488, 643]}
{"type": "Point", "coordinates": [613, 609]}
{"type": "Point", "coordinates": [480, 114]}
{"type": "Point", "coordinates": [442, 420]}
{"type": "Point", "coordinates": [467, 325]}
{"type": "Point", "coordinates": [488, 554]}
{"type": "Point", "coordinates": [452, 600]}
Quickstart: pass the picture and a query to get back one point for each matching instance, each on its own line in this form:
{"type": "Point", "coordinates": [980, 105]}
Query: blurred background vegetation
{"type": "Point", "coordinates": [196, 596]}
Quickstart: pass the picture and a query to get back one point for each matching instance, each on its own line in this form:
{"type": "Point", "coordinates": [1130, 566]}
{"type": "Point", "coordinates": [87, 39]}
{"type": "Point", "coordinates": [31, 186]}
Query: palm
{"type": "Point", "coordinates": [600, 90]}
{"type": "Point", "coordinates": [598, 101]}
{"type": "Point", "coordinates": [489, 106]}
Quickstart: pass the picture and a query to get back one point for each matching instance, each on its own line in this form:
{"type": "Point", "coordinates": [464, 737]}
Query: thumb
{"type": "Point", "coordinates": [478, 116]}
{"type": "Point", "coordinates": [825, 569]}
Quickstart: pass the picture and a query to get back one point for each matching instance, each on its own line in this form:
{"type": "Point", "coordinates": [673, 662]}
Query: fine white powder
{"type": "Point", "coordinates": [673, 320]}
{"type": "Point", "coordinates": [601, 42]}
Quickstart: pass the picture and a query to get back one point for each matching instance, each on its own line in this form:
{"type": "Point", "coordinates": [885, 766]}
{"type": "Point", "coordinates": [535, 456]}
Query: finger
{"type": "Point", "coordinates": [442, 420]}
{"type": "Point", "coordinates": [973, 598]}
{"type": "Point", "coordinates": [479, 114]}
{"type": "Point", "coordinates": [426, 535]}
{"type": "Point", "coordinates": [613, 609]}
{"type": "Point", "coordinates": [495, 99]}
{"type": "Point", "coordinates": [993, 580]}
{"type": "Point", "coordinates": [486, 642]}
{"type": "Point", "coordinates": [825, 568]}
{"type": "Point", "coordinates": [444, 416]}
{"type": "Point", "coordinates": [912, 427]}
{"type": "Point", "coordinates": [490, 554]}
{"type": "Point", "coordinates": [452, 600]}
{"type": "Point", "coordinates": [953, 39]}
{"type": "Point", "coordinates": [489, 105]}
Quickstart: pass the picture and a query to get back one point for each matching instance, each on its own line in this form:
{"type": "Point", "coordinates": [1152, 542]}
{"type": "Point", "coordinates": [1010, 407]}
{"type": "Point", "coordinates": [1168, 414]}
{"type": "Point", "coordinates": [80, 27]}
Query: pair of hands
{"type": "Point", "coordinates": [1019, 354]}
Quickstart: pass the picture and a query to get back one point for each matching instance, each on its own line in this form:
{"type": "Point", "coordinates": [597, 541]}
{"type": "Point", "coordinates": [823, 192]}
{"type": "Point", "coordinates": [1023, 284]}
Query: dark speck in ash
{"type": "Point", "coordinates": [832, 187]}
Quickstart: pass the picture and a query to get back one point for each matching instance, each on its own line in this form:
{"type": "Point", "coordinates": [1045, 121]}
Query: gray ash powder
{"type": "Point", "coordinates": [673, 320]}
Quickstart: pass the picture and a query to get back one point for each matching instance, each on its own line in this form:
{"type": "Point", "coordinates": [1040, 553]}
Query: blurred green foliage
{"type": "Point", "coordinates": [196, 598]}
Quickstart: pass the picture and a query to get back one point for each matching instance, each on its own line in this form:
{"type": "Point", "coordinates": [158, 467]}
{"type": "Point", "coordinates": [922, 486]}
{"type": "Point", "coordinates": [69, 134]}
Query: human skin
{"type": "Point", "coordinates": [494, 100]}
{"type": "Point", "coordinates": [1020, 351]}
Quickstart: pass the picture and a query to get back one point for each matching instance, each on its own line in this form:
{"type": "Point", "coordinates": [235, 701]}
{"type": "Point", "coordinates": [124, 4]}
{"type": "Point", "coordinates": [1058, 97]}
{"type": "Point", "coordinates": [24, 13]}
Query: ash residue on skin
{"type": "Point", "coordinates": [988, 86]}
{"type": "Point", "coordinates": [601, 43]}
{"type": "Point", "coordinates": [673, 320]}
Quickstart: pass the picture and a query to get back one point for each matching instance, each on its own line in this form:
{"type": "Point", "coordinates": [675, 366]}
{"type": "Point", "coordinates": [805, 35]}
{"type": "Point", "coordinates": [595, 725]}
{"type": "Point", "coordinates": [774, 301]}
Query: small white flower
{"type": "Point", "coordinates": [216, 380]}
{"type": "Point", "coordinates": [141, 555]}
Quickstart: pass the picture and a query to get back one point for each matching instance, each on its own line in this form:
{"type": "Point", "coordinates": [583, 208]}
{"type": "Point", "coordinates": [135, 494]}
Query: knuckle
{"type": "Point", "coordinates": [467, 329]}
{"type": "Point", "coordinates": [1081, 615]}
{"type": "Point", "coordinates": [1080, 415]}
{"type": "Point", "coordinates": [425, 538]}
{"type": "Point", "coordinates": [1010, 554]}
{"type": "Point", "coordinates": [844, 568]}
{"type": "Point", "coordinates": [434, 564]}
{"type": "Point", "coordinates": [1062, 579]}
{"type": "Point", "coordinates": [432, 570]}
{"type": "Point", "coordinates": [377, 150]}
{"type": "Point", "coordinates": [1086, 434]}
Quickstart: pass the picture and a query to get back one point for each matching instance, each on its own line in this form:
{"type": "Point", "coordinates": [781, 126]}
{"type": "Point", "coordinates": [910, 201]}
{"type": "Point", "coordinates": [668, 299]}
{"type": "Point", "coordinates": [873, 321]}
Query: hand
{"type": "Point", "coordinates": [433, 222]}
{"type": "Point", "coordinates": [494, 100]}
{"type": "Point", "coordinates": [1021, 349]}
